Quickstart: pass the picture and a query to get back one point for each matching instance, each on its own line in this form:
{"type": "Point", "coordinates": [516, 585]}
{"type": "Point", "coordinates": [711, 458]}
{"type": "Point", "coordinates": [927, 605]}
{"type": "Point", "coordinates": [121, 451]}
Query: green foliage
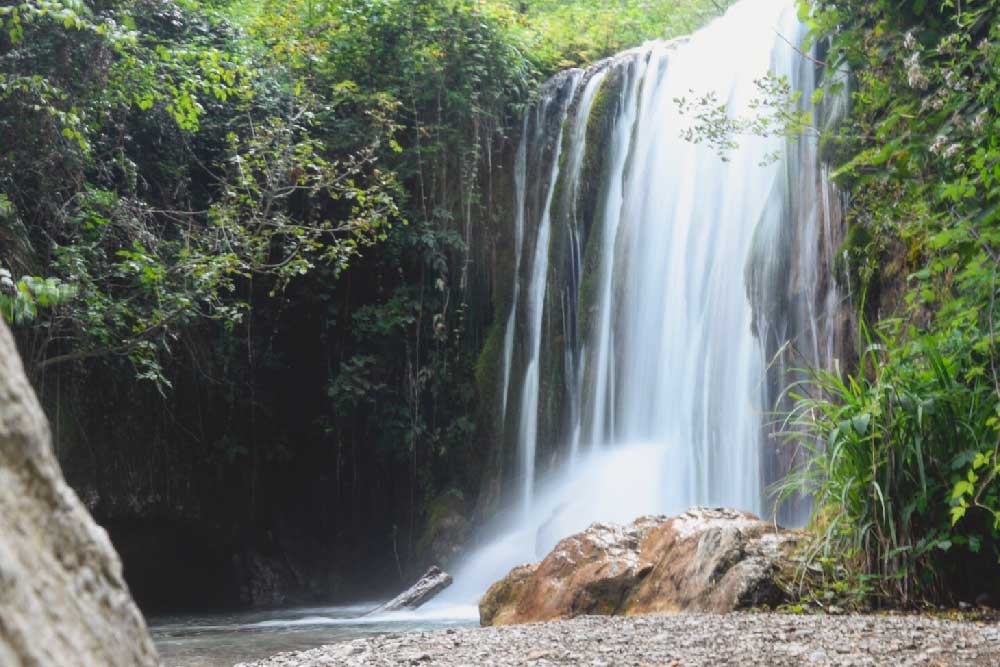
{"type": "Point", "coordinates": [904, 462]}
{"type": "Point", "coordinates": [575, 33]}
{"type": "Point", "coordinates": [100, 183]}
{"type": "Point", "coordinates": [774, 111]}
{"type": "Point", "coordinates": [905, 448]}
{"type": "Point", "coordinates": [284, 204]}
{"type": "Point", "coordinates": [21, 301]}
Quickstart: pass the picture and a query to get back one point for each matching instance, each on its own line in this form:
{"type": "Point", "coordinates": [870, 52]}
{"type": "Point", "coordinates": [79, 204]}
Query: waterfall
{"type": "Point", "coordinates": [528, 434]}
{"type": "Point", "coordinates": [520, 174]}
{"type": "Point", "coordinates": [572, 359]}
{"type": "Point", "coordinates": [670, 294]}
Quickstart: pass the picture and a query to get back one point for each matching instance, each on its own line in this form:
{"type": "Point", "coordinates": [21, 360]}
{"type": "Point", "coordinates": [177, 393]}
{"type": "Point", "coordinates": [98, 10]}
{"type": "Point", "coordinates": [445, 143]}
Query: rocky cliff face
{"type": "Point", "coordinates": [63, 600]}
{"type": "Point", "coordinates": [709, 560]}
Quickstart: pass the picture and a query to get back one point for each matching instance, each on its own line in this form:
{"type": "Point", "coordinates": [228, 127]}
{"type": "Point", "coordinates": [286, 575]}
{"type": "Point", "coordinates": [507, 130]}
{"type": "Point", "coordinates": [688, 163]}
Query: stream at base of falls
{"type": "Point", "coordinates": [222, 639]}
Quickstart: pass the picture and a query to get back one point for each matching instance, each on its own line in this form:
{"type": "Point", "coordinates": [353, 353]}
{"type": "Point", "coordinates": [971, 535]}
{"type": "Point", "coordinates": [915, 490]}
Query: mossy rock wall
{"type": "Point", "coordinates": [574, 270]}
{"type": "Point", "coordinates": [500, 426]}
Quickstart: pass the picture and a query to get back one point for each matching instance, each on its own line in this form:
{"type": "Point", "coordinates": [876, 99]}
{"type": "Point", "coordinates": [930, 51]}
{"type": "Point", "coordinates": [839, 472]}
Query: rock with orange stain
{"type": "Point", "coordinates": [715, 560]}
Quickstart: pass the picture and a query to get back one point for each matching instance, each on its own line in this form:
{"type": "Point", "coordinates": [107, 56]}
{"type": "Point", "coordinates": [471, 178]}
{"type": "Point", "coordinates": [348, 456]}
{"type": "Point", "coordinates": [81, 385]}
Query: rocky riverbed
{"type": "Point", "coordinates": [688, 640]}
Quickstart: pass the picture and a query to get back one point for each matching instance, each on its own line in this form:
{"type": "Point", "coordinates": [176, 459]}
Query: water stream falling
{"type": "Point", "coordinates": [653, 285]}
{"type": "Point", "coordinates": [528, 435]}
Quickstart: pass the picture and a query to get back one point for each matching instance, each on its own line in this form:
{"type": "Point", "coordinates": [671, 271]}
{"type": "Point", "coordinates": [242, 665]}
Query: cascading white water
{"type": "Point", "coordinates": [573, 362]}
{"type": "Point", "coordinates": [601, 360]}
{"type": "Point", "coordinates": [701, 270]}
{"type": "Point", "coordinates": [520, 175]}
{"type": "Point", "coordinates": [528, 434]}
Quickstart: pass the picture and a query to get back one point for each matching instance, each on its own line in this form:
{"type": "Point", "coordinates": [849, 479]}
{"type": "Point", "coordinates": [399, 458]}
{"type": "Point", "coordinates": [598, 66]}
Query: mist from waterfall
{"type": "Point", "coordinates": [659, 307]}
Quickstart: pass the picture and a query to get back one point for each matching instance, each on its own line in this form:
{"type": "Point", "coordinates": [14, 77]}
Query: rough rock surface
{"type": "Point", "coordinates": [433, 582]}
{"type": "Point", "coordinates": [712, 560]}
{"type": "Point", "coordinates": [62, 597]}
{"type": "Point", "coordinates": [499, 605]}
{"type": "Point", "coordinates": [691, 640]}
{"type": "Point", "coordinates": [445, 531]}
{"type": "Point", "coordinates": [265, 580]}
{"type": "Point", "coordinates": [703, 560]}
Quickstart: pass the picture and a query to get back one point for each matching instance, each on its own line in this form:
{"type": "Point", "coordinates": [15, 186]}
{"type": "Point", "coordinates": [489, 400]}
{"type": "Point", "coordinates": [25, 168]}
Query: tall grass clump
{"type": "Point", "coordinates": [903, 469]}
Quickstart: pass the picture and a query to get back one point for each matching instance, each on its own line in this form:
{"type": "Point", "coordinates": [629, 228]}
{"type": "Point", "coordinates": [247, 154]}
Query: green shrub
{"type": "Point", "coordinates": [904, 467]}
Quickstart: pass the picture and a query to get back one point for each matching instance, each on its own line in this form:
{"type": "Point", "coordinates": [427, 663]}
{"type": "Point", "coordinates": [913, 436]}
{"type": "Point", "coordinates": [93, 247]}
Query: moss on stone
{"type": "Point", "coordinates": [488, 371]}
{"type": "Point", "coordinates": [559, 195]}
{"type": "Point", "coordinates": [593, 192]}
{"type": "Point", "coordinates": [441, 512]}
{"type": "Point", "coordinates": [853, 256]}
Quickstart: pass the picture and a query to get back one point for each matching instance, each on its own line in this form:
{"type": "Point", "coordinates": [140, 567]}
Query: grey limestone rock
{"type": "Point", "coordinates": [63, 601]}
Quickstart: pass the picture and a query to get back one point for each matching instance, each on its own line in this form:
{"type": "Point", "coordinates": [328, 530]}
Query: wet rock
{"type": "Point", "coordinates": [263, 580]}
{"type": "Point", "coordinates": [706, 559]}
{"type": "Point", "coordinates": [445, 531]}
{"type": "Point", "coordinates": [498, 606]}
{"type": "Point", "coordinates": [433, 582]}
{"type": "Point", "coordinates": [63, 600]}
{"type": "Point", "coordinates": [589, 573]}
{"type": "Point", "coordinates": [714, 560]}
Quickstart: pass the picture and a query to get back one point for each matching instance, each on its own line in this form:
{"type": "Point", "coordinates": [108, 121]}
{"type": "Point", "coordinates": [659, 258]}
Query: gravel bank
{"type": "Point", "coordinates": [688, 640]}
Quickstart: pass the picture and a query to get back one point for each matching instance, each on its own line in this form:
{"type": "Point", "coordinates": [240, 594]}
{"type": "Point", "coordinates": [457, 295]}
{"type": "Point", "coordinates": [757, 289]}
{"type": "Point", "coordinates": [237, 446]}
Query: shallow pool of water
{"type": "Point", "coordinates": [220, 640]}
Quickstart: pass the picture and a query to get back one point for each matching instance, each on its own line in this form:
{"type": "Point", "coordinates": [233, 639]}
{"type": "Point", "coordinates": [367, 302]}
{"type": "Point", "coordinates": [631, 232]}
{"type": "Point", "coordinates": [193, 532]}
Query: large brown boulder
{"type": "Point", "coordinates": [713, 560]}
{"type": "Point", "coordinates": [62, 597]}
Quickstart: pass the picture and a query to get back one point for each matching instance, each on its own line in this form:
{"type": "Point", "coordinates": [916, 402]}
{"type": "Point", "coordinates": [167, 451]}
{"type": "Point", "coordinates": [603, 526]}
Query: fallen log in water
{"type": "Point", "coordinates": [433, 582]}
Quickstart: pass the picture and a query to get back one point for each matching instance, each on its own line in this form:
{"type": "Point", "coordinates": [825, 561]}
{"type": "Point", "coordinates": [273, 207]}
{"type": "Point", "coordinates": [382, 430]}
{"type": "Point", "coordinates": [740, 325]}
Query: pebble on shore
{"type": "Point", "coordinates": [688, 640]}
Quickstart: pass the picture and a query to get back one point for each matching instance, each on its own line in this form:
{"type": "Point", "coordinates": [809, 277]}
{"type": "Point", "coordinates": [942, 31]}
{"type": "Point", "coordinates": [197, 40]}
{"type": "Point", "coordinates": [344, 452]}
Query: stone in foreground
{"type": "Point", "coordinates": [62, 597]}
{"type": "Point", "coordinates": [708, 560]}
{"type": "Point", "coordinates": [433, 582]}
